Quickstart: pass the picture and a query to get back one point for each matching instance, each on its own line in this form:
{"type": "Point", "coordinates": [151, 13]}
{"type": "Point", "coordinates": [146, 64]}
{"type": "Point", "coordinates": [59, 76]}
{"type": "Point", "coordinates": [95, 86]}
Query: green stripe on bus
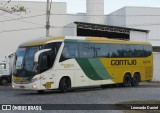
{"type": "Point", "coordinates": [100, 69]}
{"type": "Point", "coordinates": [88, 69]}
{"type": "Point", "coordinates": [94, 69]}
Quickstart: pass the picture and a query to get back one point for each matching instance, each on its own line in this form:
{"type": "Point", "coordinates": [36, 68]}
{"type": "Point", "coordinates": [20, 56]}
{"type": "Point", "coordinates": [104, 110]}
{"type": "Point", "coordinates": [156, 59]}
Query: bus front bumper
{"type": "Point", "coordinates": [30, 86]}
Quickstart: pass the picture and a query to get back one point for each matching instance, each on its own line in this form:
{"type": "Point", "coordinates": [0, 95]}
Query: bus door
{"type": "Point", "coordinates": [46, 72]}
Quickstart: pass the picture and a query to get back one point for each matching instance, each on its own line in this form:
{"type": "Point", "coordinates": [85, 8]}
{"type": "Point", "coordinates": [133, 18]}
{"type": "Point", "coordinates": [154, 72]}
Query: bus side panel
{"type": "Point", "coordinates": [95, 71]}
{"type": "Point", "coordinates": [71, 69]}
{"type": "Point", "coordinates": [118, 67]}
{"type": "Point", "coordinates": [148, 68]}
{"type": "Point", "coordinates": [64, 73]}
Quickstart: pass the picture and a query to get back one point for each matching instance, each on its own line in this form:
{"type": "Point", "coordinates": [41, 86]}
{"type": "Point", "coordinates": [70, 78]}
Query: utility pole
{"type": "Point", "coordinates": [47, 18]}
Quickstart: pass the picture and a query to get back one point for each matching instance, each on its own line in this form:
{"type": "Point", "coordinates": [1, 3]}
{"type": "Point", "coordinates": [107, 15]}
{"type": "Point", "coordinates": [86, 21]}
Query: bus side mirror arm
{"type": "Point", "coordinates": [36, 56]}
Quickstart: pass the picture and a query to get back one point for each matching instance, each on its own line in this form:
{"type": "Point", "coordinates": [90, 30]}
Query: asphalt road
{"type": "Point", "coordinates": [146, 91]}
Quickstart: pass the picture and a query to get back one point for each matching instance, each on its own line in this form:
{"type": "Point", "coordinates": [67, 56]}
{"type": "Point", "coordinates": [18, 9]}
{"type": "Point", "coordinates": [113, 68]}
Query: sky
{"type": "Point", "coordinates": [79, 6]}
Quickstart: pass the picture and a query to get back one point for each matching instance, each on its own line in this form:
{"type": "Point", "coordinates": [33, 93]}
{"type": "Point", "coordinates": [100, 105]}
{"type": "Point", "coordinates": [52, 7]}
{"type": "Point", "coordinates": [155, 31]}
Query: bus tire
{"type": "Point", "coordinates": [64, 84]}
{"type": "Point", "coordinates": [40, 91]}
{"type": "Point", "coordinates": [4, 81]}
{"type": "Point", "coordinates": [127, 80]}
{"type": "Point", "coordinates": [135, 80]}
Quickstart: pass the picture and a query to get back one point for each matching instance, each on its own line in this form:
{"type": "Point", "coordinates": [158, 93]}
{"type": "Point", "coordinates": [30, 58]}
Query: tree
{"type": "Point", "coordinates": [13, 9]}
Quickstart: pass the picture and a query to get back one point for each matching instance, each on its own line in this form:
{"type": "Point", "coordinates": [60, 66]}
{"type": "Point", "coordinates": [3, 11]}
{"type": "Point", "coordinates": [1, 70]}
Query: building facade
{"type": "Point", "coordinates": [146, 18]}
{"type": "Point", "coordinates": [16, 28]}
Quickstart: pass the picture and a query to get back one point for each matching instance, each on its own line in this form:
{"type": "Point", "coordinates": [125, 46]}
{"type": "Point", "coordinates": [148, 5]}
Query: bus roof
{"type": "Point", "coordinates": [43, 41]}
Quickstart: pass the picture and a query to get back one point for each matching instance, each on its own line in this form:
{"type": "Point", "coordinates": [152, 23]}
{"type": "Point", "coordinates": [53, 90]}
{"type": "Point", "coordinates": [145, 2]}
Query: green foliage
{"type": "Point", "coordinates": [22, 9]}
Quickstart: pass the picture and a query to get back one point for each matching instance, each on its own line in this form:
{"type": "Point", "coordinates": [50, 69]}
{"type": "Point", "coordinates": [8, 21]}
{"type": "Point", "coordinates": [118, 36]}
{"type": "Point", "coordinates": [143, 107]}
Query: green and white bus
{"type": "Point", "coordinates": [68, 62]}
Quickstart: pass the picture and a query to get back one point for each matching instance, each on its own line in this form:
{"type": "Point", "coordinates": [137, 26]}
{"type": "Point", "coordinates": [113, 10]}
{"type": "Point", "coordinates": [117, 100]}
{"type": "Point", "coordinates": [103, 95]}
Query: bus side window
{"type": "Point", "coordinates": [127, 50]}
{"type": "Point", "coordinates": [115, 50]}
{"type": "Point", "coordinates": [147, 50]}
{"type": "Point", "coordinates": [101, 50]}
{"type": "Point", "coordinates": [70, 50]}
{"type": "Point", "coordinates": [45, 62]}
{"type": "Point", "coordinates": [54, 50]}
{"type": "Point", "coordinates": [86, 50]}
{"type": "Point", "coordinates": [138, 51]}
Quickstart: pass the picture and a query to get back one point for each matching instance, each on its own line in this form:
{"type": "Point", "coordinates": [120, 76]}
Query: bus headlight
{"type": "Point", "coordinates": [12, 86]}
{"type": "Point", "coordinates": [34, 86]}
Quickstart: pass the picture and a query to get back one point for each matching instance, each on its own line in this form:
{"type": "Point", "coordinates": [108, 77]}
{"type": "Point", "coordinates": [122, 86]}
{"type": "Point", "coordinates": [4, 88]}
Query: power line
{"type": "Point", "coordinates": [102, 15]}
{"type": "Point", "coordinates": [26, 21]}
{"type": "Point", "coordinates": [57, 27]}
{"type": "Point", "coordinates": [131, 25]}
{"type": "Point", "coordinates": [22, 18]}
{"type": "Point", "coordinates": [72, 15]}
{"type": "Point", "coordinates": [85, 14]}
{"type": "Point", "coordinates": [21, 29]}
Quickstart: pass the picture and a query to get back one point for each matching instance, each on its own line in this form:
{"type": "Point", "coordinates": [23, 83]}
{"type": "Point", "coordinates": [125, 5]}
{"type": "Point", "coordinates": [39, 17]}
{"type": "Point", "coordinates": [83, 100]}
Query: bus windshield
{"type": "Point", "coordinates": [25, 57]}
{"type": "Point", "coordinates": [25, 66]}
{"type": "Point", "coordinates": [24, 62]}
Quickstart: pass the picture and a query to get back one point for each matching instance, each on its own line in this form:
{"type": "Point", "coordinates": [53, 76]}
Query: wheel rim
{"type": "Point", "coordinates": [4, 82]}
{"type": "Point", "coordinates": [128, 81]}
{"type": "Point", "coordinates": [65, 85]}
{"type": "Point", "coordinates": [135, 80]}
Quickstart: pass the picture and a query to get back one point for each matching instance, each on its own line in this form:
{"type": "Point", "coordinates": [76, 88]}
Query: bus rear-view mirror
{"type": "Point", "coordinates": [36, 56]}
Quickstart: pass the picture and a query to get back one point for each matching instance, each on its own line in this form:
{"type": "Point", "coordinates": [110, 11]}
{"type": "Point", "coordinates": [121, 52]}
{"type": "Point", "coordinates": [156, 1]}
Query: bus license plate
{"type": "Point", "coordinates": [22, 87]}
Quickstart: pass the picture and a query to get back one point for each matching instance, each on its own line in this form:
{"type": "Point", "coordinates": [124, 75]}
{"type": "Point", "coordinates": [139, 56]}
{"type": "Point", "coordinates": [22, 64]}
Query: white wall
{"type": "Point", "coordinates": [146, 18]}
{"type": "Point", "coordinates": [117, 18]}
{"type": "Point", "coordinates": [96, 9]}
{"type": "Point", "coordinates": [156, 73]}
{"type": "Point", "coordinates": [138, 36]}
{"type": "Point", "coordinates": [70, 30]}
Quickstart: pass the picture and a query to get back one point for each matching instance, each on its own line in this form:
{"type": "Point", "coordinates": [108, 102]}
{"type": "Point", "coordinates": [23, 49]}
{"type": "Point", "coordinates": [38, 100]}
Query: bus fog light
{"type": "Point", "coordinates": [34, 86]}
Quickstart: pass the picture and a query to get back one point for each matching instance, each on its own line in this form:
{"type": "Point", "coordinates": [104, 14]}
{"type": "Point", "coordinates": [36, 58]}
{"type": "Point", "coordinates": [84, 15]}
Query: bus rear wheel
{"type": "Point", "coordinates": [135, 80]}
{"type": "Point", "coordinates": [64, 85]}
{"type": "Point", "coordinates": [127, 80]}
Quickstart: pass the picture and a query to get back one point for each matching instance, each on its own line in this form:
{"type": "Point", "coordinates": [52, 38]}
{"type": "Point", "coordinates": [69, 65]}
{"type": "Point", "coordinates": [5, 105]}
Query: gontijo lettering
{"type": "Point", "coordinates": [123, 62]}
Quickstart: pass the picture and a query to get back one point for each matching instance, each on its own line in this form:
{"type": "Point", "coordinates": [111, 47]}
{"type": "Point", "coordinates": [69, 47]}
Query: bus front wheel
{"type": "Point", "coordinates": [127, 80]}
{"type": "Point", "coordinates": [64, 85]}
